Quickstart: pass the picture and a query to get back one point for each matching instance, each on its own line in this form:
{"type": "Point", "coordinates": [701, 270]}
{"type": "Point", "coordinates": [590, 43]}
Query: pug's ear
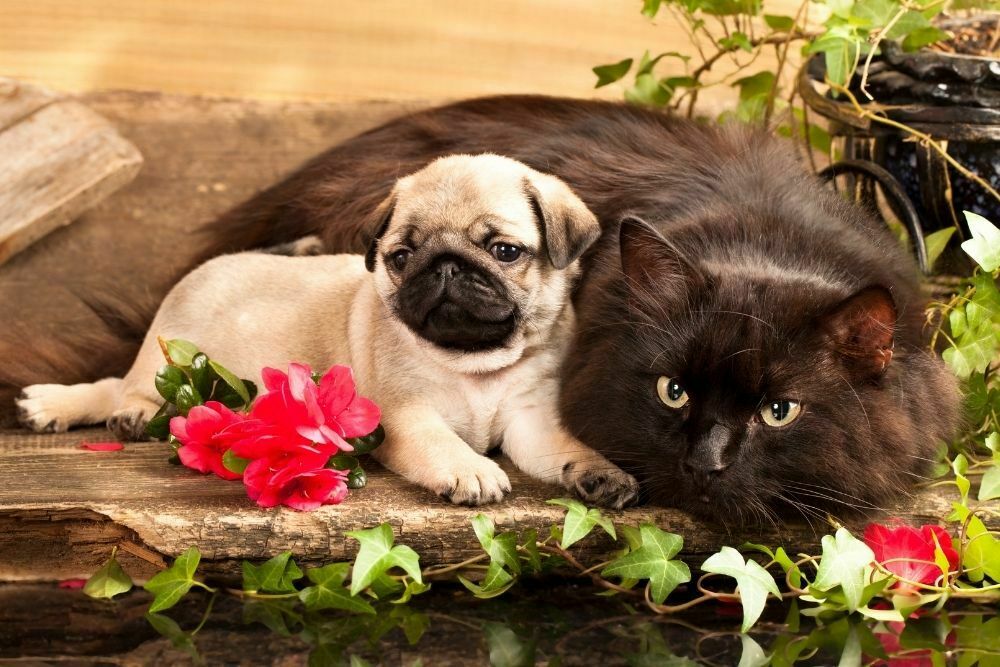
{"type": "Point", "coordinates": [567, 225]}
{"type": "Point", "coordinates": [380, 223]}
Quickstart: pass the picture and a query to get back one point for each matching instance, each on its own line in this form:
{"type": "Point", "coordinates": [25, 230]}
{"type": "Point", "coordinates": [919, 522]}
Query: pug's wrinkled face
{"type": "Point", "coordinates": [471, 256]}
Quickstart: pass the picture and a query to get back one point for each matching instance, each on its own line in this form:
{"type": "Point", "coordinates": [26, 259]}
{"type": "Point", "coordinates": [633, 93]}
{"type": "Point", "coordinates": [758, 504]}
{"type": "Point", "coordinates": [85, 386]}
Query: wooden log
{"type": "Point", "coordinates": [62, 509]}
{"type": "Point", "coordinates": [58, 159]}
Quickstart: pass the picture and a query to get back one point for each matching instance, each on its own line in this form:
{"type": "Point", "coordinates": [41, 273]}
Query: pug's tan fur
{"type": "Point", "coordinates": [443, 408]}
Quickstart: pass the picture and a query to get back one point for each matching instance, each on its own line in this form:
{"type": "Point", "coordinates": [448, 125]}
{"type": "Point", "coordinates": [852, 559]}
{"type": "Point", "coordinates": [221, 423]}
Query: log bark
{"type": "Point", "coordinates": [62, 509]}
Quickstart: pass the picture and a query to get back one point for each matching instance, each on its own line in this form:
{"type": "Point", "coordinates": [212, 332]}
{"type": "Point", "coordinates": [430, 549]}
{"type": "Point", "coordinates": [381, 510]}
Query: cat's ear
{"type": "Point", "coordinates": [861, 329]}
{"type": "Point", "coordinates": [654, 268]}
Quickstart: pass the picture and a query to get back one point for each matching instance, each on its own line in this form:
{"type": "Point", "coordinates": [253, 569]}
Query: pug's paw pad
{"type": "Point", "coordinates": [129, 424]}
{"type": "Point", "coordinates": [45, 408]}
{"type": "Point", "coordinates": [607, 487]}
{"type": "Point", "coordinates": [482, 482]}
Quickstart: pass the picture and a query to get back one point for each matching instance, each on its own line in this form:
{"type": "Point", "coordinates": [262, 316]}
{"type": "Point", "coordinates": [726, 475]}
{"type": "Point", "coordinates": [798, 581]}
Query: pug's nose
{"type": "Point", "coordinates": [448, 267]}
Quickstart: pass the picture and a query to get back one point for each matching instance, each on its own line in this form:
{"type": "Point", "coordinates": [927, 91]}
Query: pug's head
{"type": "Point", "coordinates": [476, 255]}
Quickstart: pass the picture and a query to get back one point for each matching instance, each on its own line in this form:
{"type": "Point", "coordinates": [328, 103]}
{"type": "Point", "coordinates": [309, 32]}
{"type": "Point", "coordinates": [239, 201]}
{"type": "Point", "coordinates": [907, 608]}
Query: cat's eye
{"type": "Point", "coordinates": [671, 392]}
{"type": "Point", "coordinates": [399, 259]}
{"type": "Point", "coordinates": [780, 413]}
{"type": "Point", "coordinates": [505, 252]}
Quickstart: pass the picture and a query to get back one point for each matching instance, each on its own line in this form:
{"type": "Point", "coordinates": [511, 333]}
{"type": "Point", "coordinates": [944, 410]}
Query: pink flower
{"type": "Point", "coordinates": [324, 414]}
{"type": "Point", "coordinates": [299, 482]}
{"type": "Point", "coordinates": [908, 552]}
{"type": "Point", "coordinates": [206, 434]}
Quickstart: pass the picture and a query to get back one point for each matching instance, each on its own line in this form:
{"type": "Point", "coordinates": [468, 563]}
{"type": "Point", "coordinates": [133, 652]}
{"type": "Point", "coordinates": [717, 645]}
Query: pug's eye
{"type": "Point", "coordinates": [671, 392]}
{"type": "Point", "coordinates": [780, 413]}
{"type": "Point", "coordinates": [399, 259]}
{"type": "Point", "coordinates": [505, 252]}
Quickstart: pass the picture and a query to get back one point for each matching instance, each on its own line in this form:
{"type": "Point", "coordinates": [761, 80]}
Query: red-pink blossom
{"type": "Point", "coordinates": [206, 434]}
{"type": "Point", "coordinates": [299, 482]}
{"type": "Point", "coordinates": [73, 584]}
{"type": "Point", "coordinates": [908, 552]}
{"type": "Point", "coordinates": [102, 446]}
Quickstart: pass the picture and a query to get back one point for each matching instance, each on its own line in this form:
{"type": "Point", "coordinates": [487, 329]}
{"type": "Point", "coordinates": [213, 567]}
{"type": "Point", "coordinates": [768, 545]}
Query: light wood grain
{"type": "Point", "coordinates": [340, 49]}
{"type": "Point", "coordinates": [18, 100]}
{"type": "Point", "coordinates": [56, 163]}
{"type": "Point", "coordinates": [62, 509]}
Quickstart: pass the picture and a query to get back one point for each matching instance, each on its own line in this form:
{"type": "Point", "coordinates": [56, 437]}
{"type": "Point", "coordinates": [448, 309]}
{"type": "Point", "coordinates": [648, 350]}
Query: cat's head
{"type": "Point", "coordinates": [747, 387]}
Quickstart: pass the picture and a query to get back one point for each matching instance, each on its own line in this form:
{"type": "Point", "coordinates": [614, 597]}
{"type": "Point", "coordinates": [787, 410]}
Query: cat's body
{"type": "Point", "coordinates": [758, 239]}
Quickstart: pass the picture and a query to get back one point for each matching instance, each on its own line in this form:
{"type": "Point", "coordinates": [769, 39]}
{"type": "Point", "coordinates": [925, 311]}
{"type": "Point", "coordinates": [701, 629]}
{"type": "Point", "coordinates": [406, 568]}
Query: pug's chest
{"type": "Point", "coordinates": [474, 413]}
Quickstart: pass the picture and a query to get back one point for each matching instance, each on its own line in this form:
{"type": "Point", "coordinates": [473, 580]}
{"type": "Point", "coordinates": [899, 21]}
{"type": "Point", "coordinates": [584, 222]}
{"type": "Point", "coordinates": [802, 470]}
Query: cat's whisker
{"type": "Point", "coordinates": [860, 402]}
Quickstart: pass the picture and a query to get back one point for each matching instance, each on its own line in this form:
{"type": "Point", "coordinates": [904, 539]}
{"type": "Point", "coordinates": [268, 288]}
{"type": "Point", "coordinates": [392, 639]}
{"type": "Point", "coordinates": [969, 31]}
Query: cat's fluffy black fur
{"type": "Point", "coordinates": [767, 287]}
{"type": "Point", "coordinates": [733, 330]}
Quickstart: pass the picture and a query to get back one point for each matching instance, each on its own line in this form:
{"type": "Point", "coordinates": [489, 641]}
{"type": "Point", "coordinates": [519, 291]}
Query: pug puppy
{"type": "Point", "coordinates": [455, 322]}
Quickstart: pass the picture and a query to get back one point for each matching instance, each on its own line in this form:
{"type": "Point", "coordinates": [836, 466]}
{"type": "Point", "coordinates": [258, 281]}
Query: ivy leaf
{"type": "Point", "coordinates": [989, 488]}
{"type": "Point", "coordinates": [653, 560]}
{"type": "Point", "coordinates": [502, 549]}
{"type": "Point", "coordinates": [984, 246]}
{"type": "Point", "coordinates": [779, 23]}
{"type": "Point", "coordinates": [974, 352]}
{"type": "Point", "coordinates": [922, 37]}
{"type": "Point", "coordinates": [650, 8]}
{"type": "Point", "coordinates": [737, 40]}
{"type": "Point", "coordinates": [843, 564]}
{"type": "Point", "coordinates": [780, 557]}
{"type": "Point", "coordinates": [506, 648]}
{"type": "Point", "coordinates": [496, 582]}
{"type": "Point", "coordinates": [960, 465]}
{"type": "Point", "coordinates": [108, 581]}
{"type": "Point", "coordinates": [377, 555]}
{"type": "Point", "coordinates": [169, 586]}
{"type": "Point", "coordinates": [646, 64]}
{"type": "Point", "coordinates": [981, 556]}
{"type": "Point", "coordinates": [752, 655]}
{"type": "Point", "coordinates": [328, 591]}
{"type": "Point", "coordinates": [274, 576]}
{"type": "Point", "coordinates": [532, 555]}
{"type": "Point", "coordinates": [412, 588]}
{"type": "Point", "coordinates": [610, 73]}
{"type": "Point", "coordinates": [580, 521]}
{"type": "Point", "coordinates": [648, 90]}
{"type": "Point", "coordinates": [168, 627]}
{"type": "Point", "coordinates": [936, 243]}
{"type": "Point", "coordinates": [753, 580]}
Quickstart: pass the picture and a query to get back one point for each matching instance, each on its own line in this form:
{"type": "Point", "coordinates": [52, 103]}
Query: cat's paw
{"type": "Point", "coordinates": [607, 486]}
{"type": "Point", "coordinates": [129, 424]}
{"type": "Point", "coordinates": [44, 408]}
{"type": "Point", "coordinates": [476, 481]}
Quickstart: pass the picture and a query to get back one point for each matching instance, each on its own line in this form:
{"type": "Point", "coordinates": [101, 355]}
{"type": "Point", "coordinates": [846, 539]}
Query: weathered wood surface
{"type": "Point", "coordinates": [62, 509]}
{"type": "Point", "coordinates": [58, 159]}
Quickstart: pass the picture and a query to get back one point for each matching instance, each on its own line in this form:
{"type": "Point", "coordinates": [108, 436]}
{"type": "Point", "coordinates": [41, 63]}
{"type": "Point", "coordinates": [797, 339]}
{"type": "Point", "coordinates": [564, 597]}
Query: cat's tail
{"type": "Point", "coordinates": [53, 408]}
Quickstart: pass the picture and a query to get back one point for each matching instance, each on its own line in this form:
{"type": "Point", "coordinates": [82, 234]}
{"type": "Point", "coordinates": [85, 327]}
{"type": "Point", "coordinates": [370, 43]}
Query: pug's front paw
{"type": "Point", "coordinates": [607, 486]}
{"type": "Point", "coordinates": [477, 481]}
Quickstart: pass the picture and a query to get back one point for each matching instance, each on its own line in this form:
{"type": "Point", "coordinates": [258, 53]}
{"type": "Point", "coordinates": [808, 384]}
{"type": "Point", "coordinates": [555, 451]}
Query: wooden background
{"type": "Point", "coordinates": [333, 50]}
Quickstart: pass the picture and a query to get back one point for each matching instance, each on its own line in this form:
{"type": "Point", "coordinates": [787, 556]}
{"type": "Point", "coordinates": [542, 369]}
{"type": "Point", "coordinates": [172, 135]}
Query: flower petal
{"type": "Point", "coordinates": [300, 380]}
{"type": "Point", "coordinates": [102, 446]}
{"type": "Point", "coordinates": [273, 379]}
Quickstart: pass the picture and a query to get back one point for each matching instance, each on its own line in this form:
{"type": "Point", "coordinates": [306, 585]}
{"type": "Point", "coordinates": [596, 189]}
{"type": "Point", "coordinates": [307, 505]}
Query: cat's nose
{"type": "Point", "coordinates": [708, 457]}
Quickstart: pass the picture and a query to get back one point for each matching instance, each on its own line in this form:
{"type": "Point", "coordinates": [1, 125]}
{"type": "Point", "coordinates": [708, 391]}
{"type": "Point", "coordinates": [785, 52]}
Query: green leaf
{"type": "Point", "coordinates": [984, 246]}
{"type": "Point", "coordinates": [922, 37]}
{"type": "Point", "coordinates": [737, 40]}
{"type": "Point", "coordinates": [648, 91]}
{"type": "Point", "coordinates": [752, 655]}
{"type": "Point", "coordinates": [989, 488]}
{"type": "Point", "coordinates": [168, 627]}
{"type": "Point", "coordinates": [328, 591]}
{"type": "Point", "coordinates": [377, 555]}
{"type": "Point", "coordinates": [753, 580]}
{"type": "Point", "coordinates": [531, 553]}
{"type": "Point", "coordinates": [876, 13]}
{"type": "Point", "coordinates": [231, 381]}
{"type": "Point", "coordinates": [992, 443]}
{"type": "Point", "coordinates": [779, 23]}
{"type": "Point", "coordinates": [274, 576]}
{"type": "Point", "coordinates": [357, 479]}
{"type": "Point", "coordinates": [843, 563]}
{"type": "Point", "coordinates": [936, 242]}
{"type": "Point", "coordinates": [580, 521]}
{"type": "Point", "coordinates": [202, 377]}
{"type": "Point", "coordinates": [180, 352]}
{"type": "Point", "coordinates": [366, 444]}
{"type": "Point", "coordinates": [646, 64]}
{"type": "Point", "coordinates": [502, 549]}
{"type": "Point", "coordinates": [186, 398]}
{"type": "Point", "coordinates": [412, 588]}
{"type": "Point", "coordinates": [650, 7]}
{"type": "Point", "coordinates": [233, 463]}
{"type": "Point", "coordinates": [496, 582]}
{"type": "Point", "coordinates": [343, 461]}
{"type": "Point", "coordinates": [169, 586]}
{"type": "Point", "coordinates": [506, 648]}
{"type": "Point", "coordinates": [108, 581]}
{"type": "Point", "coordinates": [981, 556]}
{"type": "Point", "coordinates": [168, 380]}
{"type": "Point", "coordinates": [610, 73]}
{"type": "Point", "coordinates": [653, 560]}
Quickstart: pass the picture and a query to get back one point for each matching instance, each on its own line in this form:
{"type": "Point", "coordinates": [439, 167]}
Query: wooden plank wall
{"type": "Point", "coordinates": [340, 50]}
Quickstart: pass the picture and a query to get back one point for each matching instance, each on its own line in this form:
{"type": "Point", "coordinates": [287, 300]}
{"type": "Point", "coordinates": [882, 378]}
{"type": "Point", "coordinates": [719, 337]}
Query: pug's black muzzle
{"type": "Point", "coordinates": [454, 305]}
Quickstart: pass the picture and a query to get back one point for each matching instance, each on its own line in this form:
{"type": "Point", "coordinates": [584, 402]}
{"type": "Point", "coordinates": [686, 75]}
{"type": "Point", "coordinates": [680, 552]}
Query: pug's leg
{"type": "Point", "coordinates": [539, 446]}
{"type": "Point", "coordinates": [421, 447]}
{"type": "Point", "coordinates": [53, 408]}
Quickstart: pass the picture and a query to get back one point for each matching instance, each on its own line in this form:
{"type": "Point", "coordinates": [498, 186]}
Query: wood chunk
{"type": "Point", "coordinates": [56, 163]}
{"type": "Point", "coordinates": [19, 100]}
{"type": "Point", "coordinates": [62, 509]}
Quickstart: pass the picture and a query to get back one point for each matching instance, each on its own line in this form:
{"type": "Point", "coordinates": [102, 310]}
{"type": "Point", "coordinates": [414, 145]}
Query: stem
{"type": "Point", "coordinates": [204, 618]}
{"type": "Point", "coordinates": [904, 7]}
{"type": "Point", "coordinates": [434, 572]}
